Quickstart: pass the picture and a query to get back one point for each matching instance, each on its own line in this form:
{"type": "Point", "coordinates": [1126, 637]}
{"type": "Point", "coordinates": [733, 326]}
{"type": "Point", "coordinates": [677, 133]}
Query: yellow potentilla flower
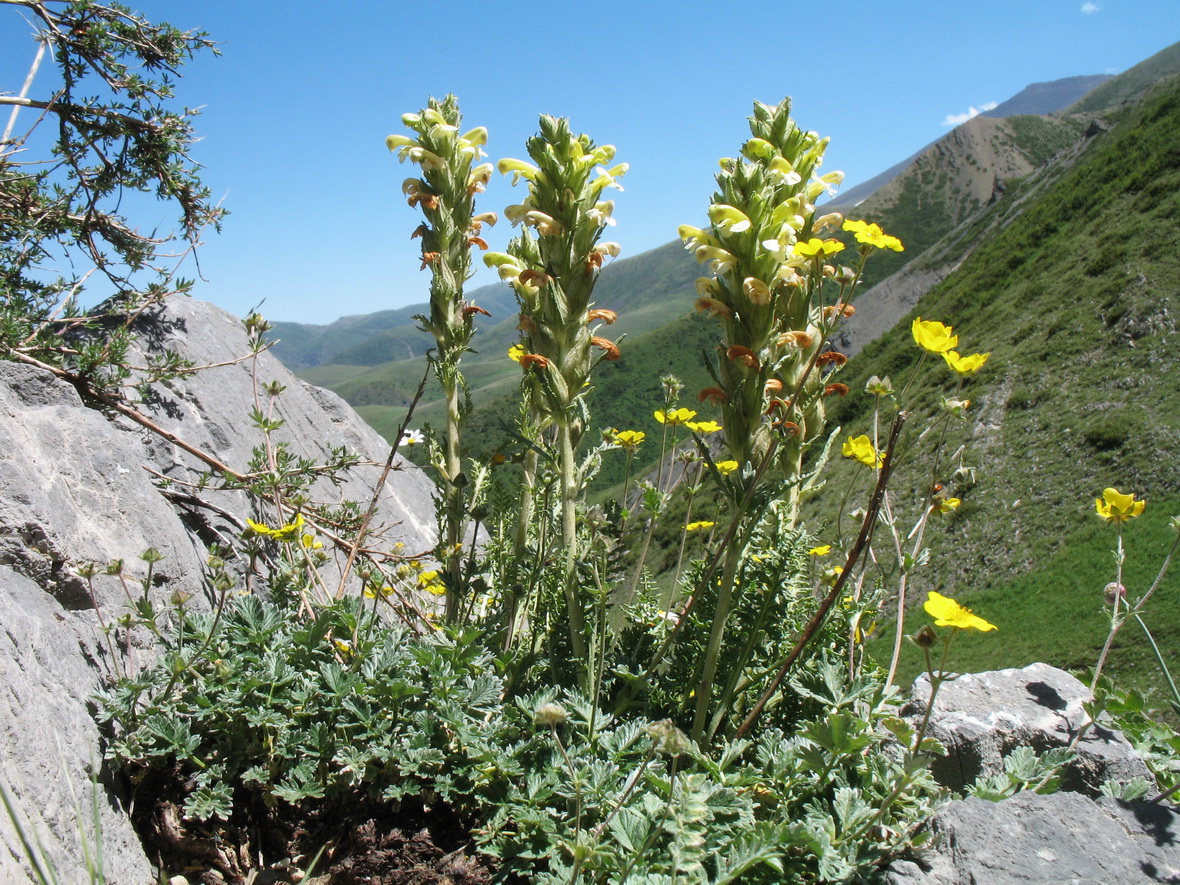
{"type": "Point", "coordinates": [965, 365]}
{"type": "Point", "coordinates": [290, 531]}
{"type": "Point", "coordinates": [726, 467]}
{"type": "Point", "coordinates": [258, 528]}
{"type": "Point", "coordinates": [515, 352]}
{"type": "Point", "coordinates": [860, 448]}
{"type": "Point", "coordinates": [703, 426]}
{"type": "Point", "coordinates": [629, 439]}
{"type": "Point", "coordinates": [815, 246]}
{"type": "Point", "coordinates": [311, 543]}
{"type": "Point", "coordinates": [821, 550]}
{"type": "Point", "coordinates": [1116, 507]}
{"type": "Point", "coordinates": [675, 416]}
{"type": "Point", "coordinates": [948, 613]}
{"type": "Point", "coordinates": [933, 336]}
{"type": "Point", "coordinates": [946, 505]}
{"type": "Point", "coordinates": [872, 235]}
{"type": "Point", "coordinates": [697, 526]}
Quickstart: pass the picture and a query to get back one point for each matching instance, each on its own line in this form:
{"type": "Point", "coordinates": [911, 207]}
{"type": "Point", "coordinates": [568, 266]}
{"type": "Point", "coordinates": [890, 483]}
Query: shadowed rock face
{"type": "Point", "coordinates": [79, 485]}
{"type": "Point", "coordinates": [1065, 837]}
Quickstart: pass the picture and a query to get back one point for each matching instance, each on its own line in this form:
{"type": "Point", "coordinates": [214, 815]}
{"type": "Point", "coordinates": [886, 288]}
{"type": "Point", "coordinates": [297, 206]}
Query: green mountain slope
{"type": "Point", "coordinates": [1076, 298]}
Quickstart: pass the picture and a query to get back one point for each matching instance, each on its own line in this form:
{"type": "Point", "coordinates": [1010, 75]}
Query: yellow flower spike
{"type": "Point", "coordinates": [726, 467]}
{"type": "Point", "coordinates": [1115, 507]}
{"type": "Point", "coordinates": [860, 448]}
{"type": "Point", "coordinates": [933, 336]}
{"type": "Point", "coordinates": [674, 416]}
{"type": "Point", "coordinates": [965, 365]}
{"type": "Point", "coordinates": [821, 550]}
{"type": "Point", "coordinates": [948, 613]}
{"type": "Point", "coordinates": [697, 526]}
{"type": "Point", "coordinates": [703, 426]}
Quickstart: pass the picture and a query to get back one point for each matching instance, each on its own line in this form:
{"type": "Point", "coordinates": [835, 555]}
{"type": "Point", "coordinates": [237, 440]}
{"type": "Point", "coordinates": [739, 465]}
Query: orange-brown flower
{"type": "Point", "coordinates": [790, 428]}
{"type": "Point", "coordinates": [473, 309]}
{"type": "Point", "coordinates": [526, 323]}
{"type": "Point", "coordinates": [831, 356]}
{"type": "Point", "coordinates": [836, 389]}
{"type": "Point", "coordinates": [533, 359]}
{"type": "Point", "coordinates": [593, 261]}
{"type": "Point", "coordinates": [795, 339]}
{"type": "Point", "coordinates": [773, 386]}
{"type": "Point", "coordinates": [743, 355]}
{"type": "Point", "coordinates": [612, 350]}
{"type": "Point", "coordinates": [775, 405]}
{"type": "Point", "coordinates": [710, 305]}
{"type": "Point", "coordinates": [601, 313]}
{"type": "Point", "coordinates": [534, 278]}
{"type": "Point", "coordinates": [420, 231]}
{"type": "Point", "coordinates": [844, 310]}
{"type": "Point", "coordinates": [428, 258]}
{"type": "Point", "coordinates": [714, 395]}
{"type": "Point", "coordinates": [478, 241]}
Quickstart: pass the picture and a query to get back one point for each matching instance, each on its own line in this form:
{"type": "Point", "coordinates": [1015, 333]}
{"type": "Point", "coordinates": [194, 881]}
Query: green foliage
{"type": "Point", "coordinates": [294, 710]}
{"type": "Point", "coordinates": [61, 215]}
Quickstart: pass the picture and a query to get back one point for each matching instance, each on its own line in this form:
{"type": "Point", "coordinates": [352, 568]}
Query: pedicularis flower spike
{"type": "Point", "coordinates": [445, 193]}
{"type": "Point", "coordinates": [552, 267]}
{"type": "Point", "coordinates": [1115, 507]}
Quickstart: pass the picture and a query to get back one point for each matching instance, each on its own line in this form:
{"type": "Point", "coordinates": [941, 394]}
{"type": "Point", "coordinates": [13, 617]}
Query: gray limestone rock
{"type": "Point", "coordinates": [1058, 839]}
{"type": "Point", "coordinates": [49, 742]}
{"type": "Point", "coordinates": [79, 485]}
{"type": "Point", "coordinates": [982, 717]}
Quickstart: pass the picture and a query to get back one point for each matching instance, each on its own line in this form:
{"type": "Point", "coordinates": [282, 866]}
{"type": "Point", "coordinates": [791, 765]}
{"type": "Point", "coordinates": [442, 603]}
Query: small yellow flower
{"type": "Point", "coordinates": [946, 505]}
{"type": "Point", "coordinates": [726, 467]}
{"type": "Point", "coordinates": [948, 613]}
{"type": "Point", "coordinates": [816, 247]}
{"type": "Point", "coordinates": [697, 526]}
{"type": "Point", "coordinates": [258, 528]}
{"type": "Point", "coordinates": [703, 426]}
{"type": "Point", "coordinates": [872, 235]}
{"type": "Point", "coordinates": [933, 336]}
{"type": "Point", "coordinates": [675, 416]}
{"type": "Point", "coordinates": [965, 365]}
{"type": "Point", "coordinates": [860, 448]}
{"type": "Point", "coordinates": [515, 352]}
{"type": "Point", "coordinates": [1116, 507]}
{"type": "Point", "coordinates": [821, 550]}
{"type": "Point", "coordinates": [310, 543]}
{"type": "Point", "coordinates": [628, 439]}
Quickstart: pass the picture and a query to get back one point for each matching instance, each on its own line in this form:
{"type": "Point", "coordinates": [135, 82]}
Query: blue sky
{"type": "Point", "coordinates": [297, 107]}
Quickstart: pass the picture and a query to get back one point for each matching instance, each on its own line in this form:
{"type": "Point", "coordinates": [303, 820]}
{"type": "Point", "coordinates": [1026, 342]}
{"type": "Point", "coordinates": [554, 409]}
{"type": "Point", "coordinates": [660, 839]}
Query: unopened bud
{"type": "Point", "coordinates": [1113, 591]}
{"type": "Point", "coordinates": [925, 638]}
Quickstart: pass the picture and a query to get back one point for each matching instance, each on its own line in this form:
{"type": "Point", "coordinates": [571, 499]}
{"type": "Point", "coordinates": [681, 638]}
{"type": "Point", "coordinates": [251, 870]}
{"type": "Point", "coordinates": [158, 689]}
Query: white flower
{"type": "Point", "coordinates": [411, 438]}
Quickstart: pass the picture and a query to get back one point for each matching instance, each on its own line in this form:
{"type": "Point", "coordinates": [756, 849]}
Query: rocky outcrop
{"type": "Point", "coordinates": [1059, 839]}
{"type": "Point", "coordinates": [981, 717]}
{"type": "Point", "coordinates": [79, 485]}
{"type": "Point", "coordinates": [1064, 837]}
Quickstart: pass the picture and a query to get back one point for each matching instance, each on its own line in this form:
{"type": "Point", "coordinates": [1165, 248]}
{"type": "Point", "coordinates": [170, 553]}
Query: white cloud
{"type": "Point", "coordinates": [956, 119]}
{"type": "Point", "coordinates": [1090, 8]}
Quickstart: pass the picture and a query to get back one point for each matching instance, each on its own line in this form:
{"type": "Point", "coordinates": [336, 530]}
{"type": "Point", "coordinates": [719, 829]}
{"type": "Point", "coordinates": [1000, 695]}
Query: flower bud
{"type": "Point", "coordinates": [925, 638]}
{"type": "Point", "coordinates": [550, 714]}
{"type": "Point", "coordinates": [1113, 591]}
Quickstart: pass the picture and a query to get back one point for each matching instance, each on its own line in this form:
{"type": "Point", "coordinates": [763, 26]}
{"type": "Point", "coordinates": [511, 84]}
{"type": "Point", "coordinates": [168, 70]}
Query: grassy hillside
{"type": "Point", "coordinates": [1077, 300]}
